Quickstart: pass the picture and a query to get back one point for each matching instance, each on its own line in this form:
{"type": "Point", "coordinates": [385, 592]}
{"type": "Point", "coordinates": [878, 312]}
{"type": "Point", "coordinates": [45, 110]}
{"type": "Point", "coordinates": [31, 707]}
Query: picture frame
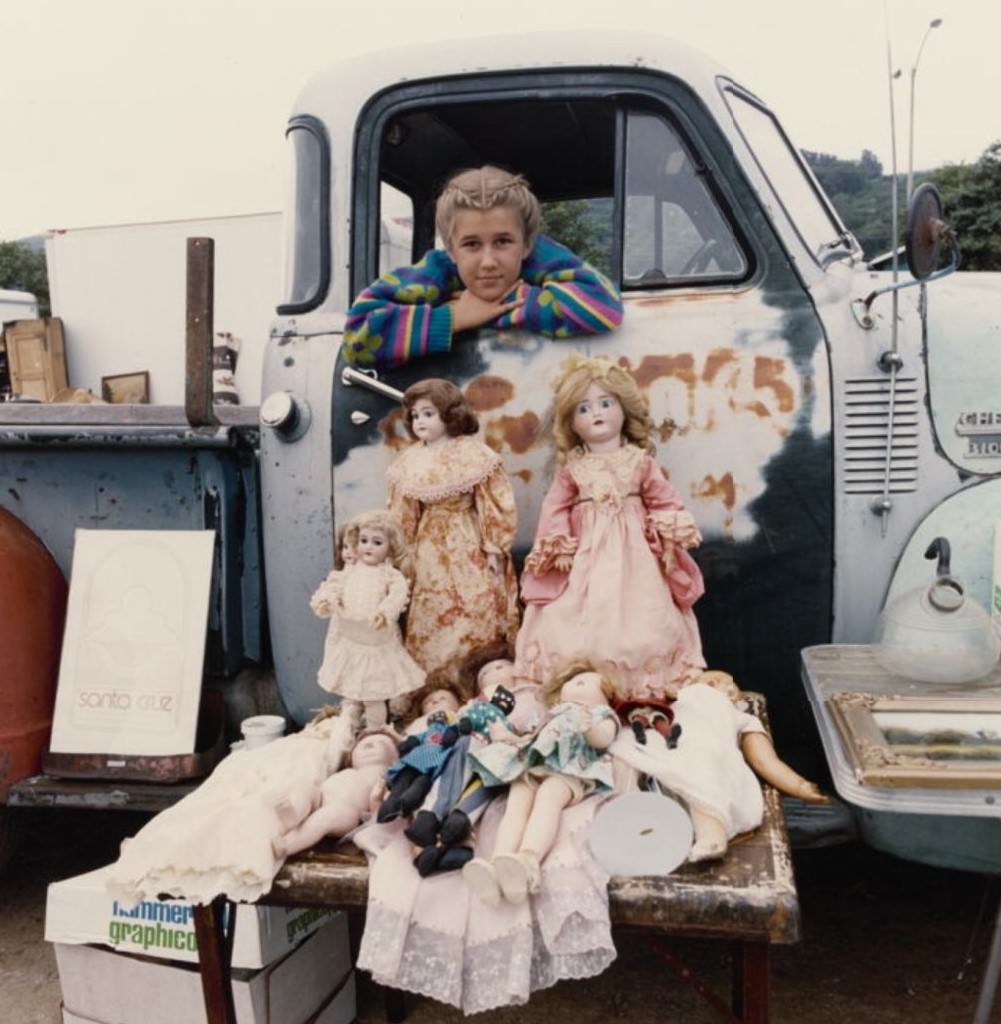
{"type": "Point", "coordinates": [126, 388]}
{"type": "Point", "coordinates": [904, 741]}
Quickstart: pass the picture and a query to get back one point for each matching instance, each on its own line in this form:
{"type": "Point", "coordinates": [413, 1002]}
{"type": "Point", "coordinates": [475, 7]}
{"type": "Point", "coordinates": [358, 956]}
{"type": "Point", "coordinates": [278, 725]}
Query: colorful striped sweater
{"type": "Point", "coordinates": [406, 314]}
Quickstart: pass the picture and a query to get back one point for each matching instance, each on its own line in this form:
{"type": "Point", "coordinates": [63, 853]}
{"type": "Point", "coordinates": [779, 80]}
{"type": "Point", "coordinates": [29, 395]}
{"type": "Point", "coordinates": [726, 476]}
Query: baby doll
{"type": "Point", "coordinates": [346, 797]}
{"type": "Point", "coordinates": [495, 269]}
{"type": "Point", "coordinates": [565, 761]}
{"type": "Point", "coordinates": [425, 751]}
{"type": "Point", "coordinates": [457, 508]}
{"type": "Point", "coordinates": [364, 661]}
{"type": "Point", "coordinates": [609, 574]}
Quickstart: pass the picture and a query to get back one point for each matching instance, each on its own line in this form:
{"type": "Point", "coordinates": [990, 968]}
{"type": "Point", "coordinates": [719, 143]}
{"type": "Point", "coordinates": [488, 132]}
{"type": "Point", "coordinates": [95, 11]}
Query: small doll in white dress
{"type": "Point", "coordinates": [364, 660]}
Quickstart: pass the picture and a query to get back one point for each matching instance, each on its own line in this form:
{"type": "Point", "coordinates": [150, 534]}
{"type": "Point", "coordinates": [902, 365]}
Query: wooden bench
{"type": "Point", "coordinates": [747, 899]}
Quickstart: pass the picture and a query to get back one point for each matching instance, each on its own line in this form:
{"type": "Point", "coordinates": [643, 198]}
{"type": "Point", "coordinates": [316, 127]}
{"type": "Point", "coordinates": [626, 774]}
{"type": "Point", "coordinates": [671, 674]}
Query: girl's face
{"type": "Point", "coordinates": [373, 546]}
{"type": "Point", "coordinates": [426, 422]}
{"type": "Point", "coordinates": [584, 688]}
{"type": "Point", "coordinates": [598, 419]}
{"type": "Point", "coordinates": [488, 247]}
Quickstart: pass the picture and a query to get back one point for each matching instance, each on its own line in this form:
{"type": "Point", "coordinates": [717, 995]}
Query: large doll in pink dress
{"type": "Point", "coordinates": [609, 576]}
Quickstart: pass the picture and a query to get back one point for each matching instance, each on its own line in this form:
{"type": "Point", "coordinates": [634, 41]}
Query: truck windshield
{"type": "Point", "coordinates": [790, 178]}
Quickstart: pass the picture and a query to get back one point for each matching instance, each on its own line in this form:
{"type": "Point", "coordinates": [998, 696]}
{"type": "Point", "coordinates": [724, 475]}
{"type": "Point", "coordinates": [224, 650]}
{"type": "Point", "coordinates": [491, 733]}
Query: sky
{"type": "Point", "coordinates": [115, 111]}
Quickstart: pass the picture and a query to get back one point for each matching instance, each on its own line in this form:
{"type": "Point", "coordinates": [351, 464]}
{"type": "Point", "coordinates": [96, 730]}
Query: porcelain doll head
{"type": "Point", "coordinates": [344, 551]}
{"type": "Point", "coordinates": [483, 191]}
{"type": "Point", "coordinates": [579, 682]}
{"type": "Point", "coordinates": [374, 749]}
{"type": "Point", "coordinates": [486, 665]}
{"type": "Point", "coordinates": [439, 692]}
{"type": "Point", "coordinates": [437, 407]}
{"type": "Point", "coordinates": [595, 381]}
{"type": "Point", "coordinates": [383, 538]}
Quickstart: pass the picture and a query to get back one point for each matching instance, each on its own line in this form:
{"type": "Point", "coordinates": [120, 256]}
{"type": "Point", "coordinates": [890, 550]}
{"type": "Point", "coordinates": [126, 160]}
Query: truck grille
{"type": "Point", "coordinates": [867, 415]}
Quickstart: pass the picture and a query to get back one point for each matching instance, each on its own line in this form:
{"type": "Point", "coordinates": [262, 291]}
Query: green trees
{"type": "Point", "coordinates": [23, 269]}
{"type": "Point", "coordinates": [971, 194]}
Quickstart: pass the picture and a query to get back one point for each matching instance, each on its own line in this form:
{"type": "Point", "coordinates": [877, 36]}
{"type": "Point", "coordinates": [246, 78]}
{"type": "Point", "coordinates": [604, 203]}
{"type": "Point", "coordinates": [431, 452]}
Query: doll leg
{"type": "Point", "coordinates": [519, 874]}
{"type": "Point", "coordinates": [479, 873]}
{"type": "Point", "coordinates": [353, 709]}
{"type": "Point", "coordinates": [332, 819]}
{"type": "Point", "coordinates": [710, 837]}
{"type": "Point", "coordinates": [375, 714]}
{"type": "Point", "coordinates": [760, 755]}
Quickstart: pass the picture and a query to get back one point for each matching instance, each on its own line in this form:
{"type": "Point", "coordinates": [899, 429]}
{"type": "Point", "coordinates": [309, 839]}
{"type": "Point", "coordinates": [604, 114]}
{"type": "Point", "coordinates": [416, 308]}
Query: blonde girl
{"type": "Point", "coordinates": [495, 269]}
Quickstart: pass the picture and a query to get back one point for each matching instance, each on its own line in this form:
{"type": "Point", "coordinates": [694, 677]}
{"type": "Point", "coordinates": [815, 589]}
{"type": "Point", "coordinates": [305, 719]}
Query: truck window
{"type": "Point", "coordinates": [618, 182]}
{"type": "Point", "coordinates": [307, 258]}
{"type": "Point", "coordinates": [675, 231]}
{"type": "Point", "coordinates": [792, 182]}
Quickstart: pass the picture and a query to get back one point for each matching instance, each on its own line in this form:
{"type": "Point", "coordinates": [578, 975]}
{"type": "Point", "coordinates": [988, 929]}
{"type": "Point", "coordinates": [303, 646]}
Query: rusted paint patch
{"type": "Point", "coordinates": [769, 372]}
{"type": "Point", "coordinates": [722, 487]}
{"type": "Point", "coordinates": [516, 433]}
{"type": "Point", "coordinates": [488, 392]}
{"type": "Point", "coordinates": [716, 360]}
{"type": "Point", "coordinates": [652, 368]}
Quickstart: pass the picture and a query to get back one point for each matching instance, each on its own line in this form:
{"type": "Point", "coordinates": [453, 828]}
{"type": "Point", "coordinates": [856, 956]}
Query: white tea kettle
{"type": "Point", "coordinates": [937, 633]}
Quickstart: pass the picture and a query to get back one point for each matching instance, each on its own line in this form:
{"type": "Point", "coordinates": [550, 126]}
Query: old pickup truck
{"type": "Point", "coordinates": [821, 419]}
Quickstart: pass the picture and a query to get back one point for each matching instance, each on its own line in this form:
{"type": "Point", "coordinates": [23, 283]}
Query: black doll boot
{"type": "Point", "coordinates": [427, 860]}
{"type": "Point", "coordinates": [454, 858]}
{"type": "Point", "coordinates": [423, 830]}
{"type": "Point", "coordinates": [414, 795]}
{"type": "Point", "coordinates": [392, 807]}
{"type": "Point", "coordinates": [455, 827]}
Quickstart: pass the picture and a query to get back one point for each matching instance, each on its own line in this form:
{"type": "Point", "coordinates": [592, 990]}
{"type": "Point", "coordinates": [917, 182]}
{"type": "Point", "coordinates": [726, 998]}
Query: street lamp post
{"type": "Point", "coordinates": [914, 71]}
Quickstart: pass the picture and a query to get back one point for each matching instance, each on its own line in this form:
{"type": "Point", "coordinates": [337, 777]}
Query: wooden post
{"type": "Point", "coordinates": [199, 333]}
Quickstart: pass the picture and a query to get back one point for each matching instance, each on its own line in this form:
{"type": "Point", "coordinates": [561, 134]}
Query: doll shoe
{"type": "Point", "coordinates": [455, 827]}
{"type": "Point", "coordinates": [455, 857]}
{"type": "Point", "coordinates": [428, 861]}
{"type": "Point", "coordinates": [479, 876]}
{"type": "Point", "coordinates": [423, 830]}
{"type": "Point", "coordinates": [517, 875]}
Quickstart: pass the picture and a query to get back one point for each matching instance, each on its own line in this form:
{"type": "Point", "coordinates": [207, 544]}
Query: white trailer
{"type": "Point", "coordinates": [120, 292]}
{"type": "Point", "coordinates": [15, 305]}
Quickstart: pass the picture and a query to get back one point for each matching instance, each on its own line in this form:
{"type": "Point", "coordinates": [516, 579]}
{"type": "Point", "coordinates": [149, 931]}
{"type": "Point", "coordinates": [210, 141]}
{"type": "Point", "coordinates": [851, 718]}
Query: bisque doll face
{"type": "Point", "coordinates": [439, 700]}
{"type": "Point", "coordinates": [372, 546]}
{"type": "Point", "coordinates": [598, 418]}
{"type": "Point", "coordinates": [426, 422]}
{"type": "Point", "coordinates": [584, 688]}
{"type": "Point", "coordinates": [488, 247]}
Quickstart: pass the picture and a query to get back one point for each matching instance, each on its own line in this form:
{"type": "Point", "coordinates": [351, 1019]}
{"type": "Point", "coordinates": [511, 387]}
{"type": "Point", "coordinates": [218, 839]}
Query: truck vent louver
{"type": "Point", "coordinates": [867, 415]}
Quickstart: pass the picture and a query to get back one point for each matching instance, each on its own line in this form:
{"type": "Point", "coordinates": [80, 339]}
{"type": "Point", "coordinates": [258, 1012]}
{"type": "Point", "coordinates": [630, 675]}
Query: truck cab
{"type": "Point", "coordinates": [814, 464]}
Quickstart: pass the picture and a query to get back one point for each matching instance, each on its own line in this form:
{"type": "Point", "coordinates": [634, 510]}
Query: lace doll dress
{"type": "Point", "coordinates": [361, 661]}
{"type": "Point", "coordinates": [614, 513]}
{"type": "Point", "coordinates": [457, 507]}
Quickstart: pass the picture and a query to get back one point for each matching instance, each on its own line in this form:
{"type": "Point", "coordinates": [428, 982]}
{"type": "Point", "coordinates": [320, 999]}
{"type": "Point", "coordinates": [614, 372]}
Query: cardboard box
{"type": "Point", "coordinates": [312, 984]}
{"type": "Point", "coordinates": [80, 910]}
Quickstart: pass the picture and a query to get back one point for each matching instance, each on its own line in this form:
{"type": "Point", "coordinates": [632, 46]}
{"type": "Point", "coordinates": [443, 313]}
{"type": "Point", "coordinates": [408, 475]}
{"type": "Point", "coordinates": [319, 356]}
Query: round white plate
{"type": "Point", "coordinates": [641, 834]}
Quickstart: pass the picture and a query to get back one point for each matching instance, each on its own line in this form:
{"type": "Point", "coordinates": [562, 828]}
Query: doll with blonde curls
{"type": "Point", "coordinates": [609, 575]}
{"type": "Point", "coordinates": [364, 660]}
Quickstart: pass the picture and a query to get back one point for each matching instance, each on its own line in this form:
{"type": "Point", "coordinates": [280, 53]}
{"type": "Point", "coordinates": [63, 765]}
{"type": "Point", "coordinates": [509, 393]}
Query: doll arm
{"type": "Point", "coordinates": [327, 595]}
{"type": "Point", "coordinates": [405, 508]}
{"type": "Point", "coordinates": [760, 754]}
{"type": "Point", "coordinates": [496, 513]}
{"type": "Point", "coordinates": [561, 295]}
{"type": "Point", "coordinates": [602, 730]}
{"type": "Point", "coordinates": [555, 545]}
{"type": "Point", "coordinates": [396, 597]}
{"type": "Point", "coordinates": [403, 315]}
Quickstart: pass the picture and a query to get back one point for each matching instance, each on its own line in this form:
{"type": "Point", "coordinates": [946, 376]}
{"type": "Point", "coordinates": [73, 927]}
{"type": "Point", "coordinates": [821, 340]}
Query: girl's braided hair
{"type": "Point", "coordinates": [485, 188]}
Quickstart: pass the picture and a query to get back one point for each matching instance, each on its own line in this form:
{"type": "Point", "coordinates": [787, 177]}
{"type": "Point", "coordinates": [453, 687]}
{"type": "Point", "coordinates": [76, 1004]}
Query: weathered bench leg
{"type": "Point", "coordinates": [396, 1006]}
{"type": "Point", "coordinates": [751, 982]}
{"type": "Point", "coordinates": [214, 961]}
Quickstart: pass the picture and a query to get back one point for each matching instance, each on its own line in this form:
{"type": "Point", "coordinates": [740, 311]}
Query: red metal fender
{"type": "Point", "coordinates": [33, 595]}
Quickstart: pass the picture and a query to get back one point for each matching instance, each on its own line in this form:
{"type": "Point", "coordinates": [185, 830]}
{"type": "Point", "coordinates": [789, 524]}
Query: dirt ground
{"type": "Point", "coordinates": [884, 942]}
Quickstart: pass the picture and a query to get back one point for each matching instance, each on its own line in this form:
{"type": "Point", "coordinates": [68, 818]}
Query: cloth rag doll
{"type": "Point", "coordinates": [565, 761]}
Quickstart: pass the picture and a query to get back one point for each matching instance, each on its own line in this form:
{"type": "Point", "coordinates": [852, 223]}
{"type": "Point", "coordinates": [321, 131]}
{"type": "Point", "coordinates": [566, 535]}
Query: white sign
{"type": "Point", "coordinates": [134, 645]}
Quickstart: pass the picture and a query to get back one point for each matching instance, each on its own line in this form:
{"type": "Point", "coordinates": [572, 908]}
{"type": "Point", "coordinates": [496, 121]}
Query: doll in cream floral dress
{"type": "Point", "coordinates": [457, 508]}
